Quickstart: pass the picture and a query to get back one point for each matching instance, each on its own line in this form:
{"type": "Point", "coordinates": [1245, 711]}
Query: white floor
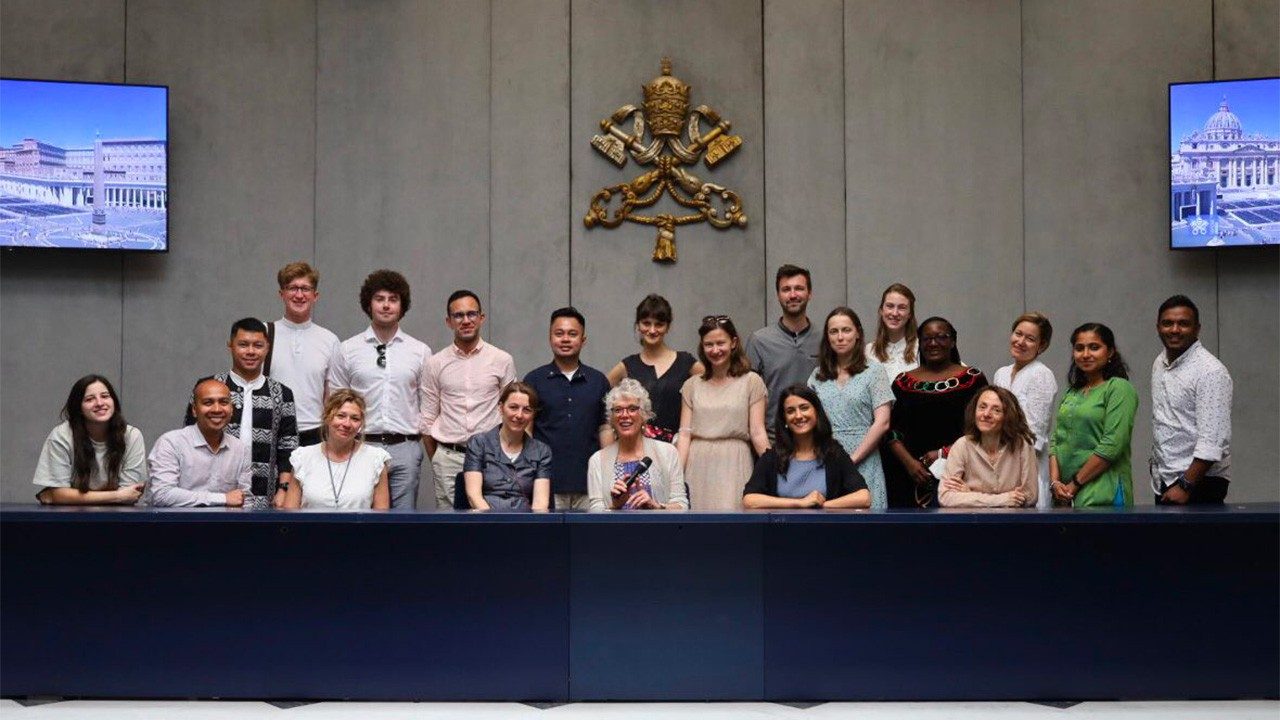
{"type": "Point", "coordinates": [165, 710]}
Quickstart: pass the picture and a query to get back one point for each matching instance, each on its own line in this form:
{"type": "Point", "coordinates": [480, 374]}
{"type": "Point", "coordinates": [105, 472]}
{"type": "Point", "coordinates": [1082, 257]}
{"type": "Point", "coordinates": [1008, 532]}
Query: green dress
{"type": "Point", "coordinates": [1098, 421]}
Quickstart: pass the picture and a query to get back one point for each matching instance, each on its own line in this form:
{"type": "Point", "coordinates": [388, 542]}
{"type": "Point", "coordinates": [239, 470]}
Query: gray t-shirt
{"type": "Point", "coordinates": [53, 470]}
{"type": "Point", "coordinates": [782, 359]}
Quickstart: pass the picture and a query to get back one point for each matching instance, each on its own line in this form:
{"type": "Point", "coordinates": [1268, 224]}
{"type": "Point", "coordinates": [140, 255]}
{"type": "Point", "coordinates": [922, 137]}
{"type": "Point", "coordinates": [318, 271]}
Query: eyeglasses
{"type": "Point", "coordinates": [304, 289]}
{"type": "Point", "coordinates": [382, 355]}
{"type": "Point", "coordinates": [939, 339]}
{"type": "Point", "coordinates": [625, 410]}
{"type": "Point", "coordinates": [715, 319]}
{"type": "Point", "coordinates": [468, 315]}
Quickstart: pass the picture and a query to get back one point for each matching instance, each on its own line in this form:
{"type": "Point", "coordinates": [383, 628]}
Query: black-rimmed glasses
{"type": "Point", "coordinates": [715, 319]}
{"type": "Point", "coordinates": [382, 355]}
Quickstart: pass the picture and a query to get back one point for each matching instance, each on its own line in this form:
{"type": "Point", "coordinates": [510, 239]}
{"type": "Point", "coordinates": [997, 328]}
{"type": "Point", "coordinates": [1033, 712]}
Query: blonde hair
{"type": "Point", "coordinates": [334, 403]}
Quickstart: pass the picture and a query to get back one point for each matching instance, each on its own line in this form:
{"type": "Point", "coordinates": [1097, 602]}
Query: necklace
{"type": "Point", "coordinates": [337, 489]}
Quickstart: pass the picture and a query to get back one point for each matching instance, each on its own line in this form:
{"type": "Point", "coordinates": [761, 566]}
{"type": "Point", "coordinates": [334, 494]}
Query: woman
{"type": "Point", "coordinates": [896, 345]}
{"type": "Point", "coordinates": [505, 468]}
{"type": "Point", "coordinates": [994, 463]}
{"type": "Point", "coordinates": [342, 472]}
{"type": "Point", "coordinates": [661, 370]}
{"type": "Point", "coordinates": [1033, 384]}
{"type": "Point", "coordinates": [616, 477]}
{"type": "Point", "coordinates": [94, 457]}
{"type": "Point", "coordinates": [721, 419]}
{"type": "Point", "coordinates": [928, 415]}
{"type": "Point", "coordinates": [1089, 452]}
{"type": "Point", "coordinates": [808, 468]}
{"type": "Point", "coordinates": [856, 395]}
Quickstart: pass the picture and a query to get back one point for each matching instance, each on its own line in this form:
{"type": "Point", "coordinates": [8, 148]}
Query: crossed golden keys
{"type": "Point", "coordinates": [666, 104]}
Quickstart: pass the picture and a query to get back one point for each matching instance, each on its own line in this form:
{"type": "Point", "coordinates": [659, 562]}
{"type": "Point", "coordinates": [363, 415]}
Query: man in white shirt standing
{"type": "Point", "coordinates": [301, 350]}
{"type": "Point", "coordinates": [460, 387]}
{"type": "Point", "coordinates": [1190, 412]}
{"type": "Point", "coordinates": [383, 364]}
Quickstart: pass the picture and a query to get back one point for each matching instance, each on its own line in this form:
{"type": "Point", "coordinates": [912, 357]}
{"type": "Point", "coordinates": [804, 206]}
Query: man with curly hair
{"type": "Point", "coordinates": [383, 364]}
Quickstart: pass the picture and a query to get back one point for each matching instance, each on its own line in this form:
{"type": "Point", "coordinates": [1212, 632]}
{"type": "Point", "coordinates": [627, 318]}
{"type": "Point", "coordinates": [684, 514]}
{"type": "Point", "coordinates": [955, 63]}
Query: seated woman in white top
{"type": "Point", "coordinates": [94, 457]}
{"type": "Point", "coordinates": [1032, 382]}
{"type": "Point", "coordinates": [617, 478]}
{"type": "Point", "coordinates": [993, 463]}
{"type": "Point", "coordinates": [896, 345]}
{"type": "Point", "coordinates": [342, 472]}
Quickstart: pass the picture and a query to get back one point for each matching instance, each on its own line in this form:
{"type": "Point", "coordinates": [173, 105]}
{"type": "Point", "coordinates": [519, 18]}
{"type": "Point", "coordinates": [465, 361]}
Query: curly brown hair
{"type": "Point", "coordinates": [388, 280]}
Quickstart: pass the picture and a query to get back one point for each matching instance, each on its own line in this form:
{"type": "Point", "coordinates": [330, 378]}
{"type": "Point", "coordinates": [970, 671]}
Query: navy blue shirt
{"type": "Point", "coordinates": [569, 422]}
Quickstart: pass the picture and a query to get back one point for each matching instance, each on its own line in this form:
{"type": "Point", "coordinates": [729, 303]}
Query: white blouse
{"type": "Point", "coordinates": [896, 352]}
{"type": "Point", "coordinates": [1035, 388]}
{"type": "Point", "coordinates": [346, 485]}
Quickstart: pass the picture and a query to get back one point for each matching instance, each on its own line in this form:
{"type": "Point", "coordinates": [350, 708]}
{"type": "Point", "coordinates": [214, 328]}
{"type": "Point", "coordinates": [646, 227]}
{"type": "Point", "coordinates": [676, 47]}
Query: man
{"type": "Point", "coordinates": [571, 419]}
{"type": "Point", "coordinates": [383, 364]}
{"type": "Point", "coordinates": [201, 464]}
{"type": "Point", "coordinates": [1190, 412]}
{"type": "Point", "coordinates": [300, 349]}
{"type": "Point", "coordinates": [785, 353]}
{"type": "Point", "coordinates": [459, 391]}
{"type": "Point", "coordinates": [266, 421]}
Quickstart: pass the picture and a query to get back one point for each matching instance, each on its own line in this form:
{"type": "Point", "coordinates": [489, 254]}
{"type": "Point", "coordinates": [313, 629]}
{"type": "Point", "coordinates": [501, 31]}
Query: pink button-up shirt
{"type": "Point", "coordinates": [458, 392]}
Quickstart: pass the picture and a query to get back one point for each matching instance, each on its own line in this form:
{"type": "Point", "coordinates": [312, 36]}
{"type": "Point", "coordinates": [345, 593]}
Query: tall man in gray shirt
{"type": "Point", "coordinates": [787, 352]}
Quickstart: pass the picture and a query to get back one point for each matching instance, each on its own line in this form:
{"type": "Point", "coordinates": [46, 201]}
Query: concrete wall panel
{"type": "Point", "coordinates": [59, 312]}
{"type": "Point", "coordinates": [616, 48]}
{"type": "Point", "coordinates": [804, 147]}
{"type": "Point", "coordinates": [933, 164]}
{"type": "Point", "coordinates": [530, 213]}
{"type": "Point", "coordinates": [1245, 45]}
{"type": "Point", "coordinates": [402, 154]}
{"type": "Point", "coordinates": [241, 171]}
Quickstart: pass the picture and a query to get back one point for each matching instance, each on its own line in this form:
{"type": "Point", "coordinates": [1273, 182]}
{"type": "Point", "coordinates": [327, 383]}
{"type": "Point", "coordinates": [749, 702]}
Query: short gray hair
{"type": "Point", "coordinates": [629, 387]}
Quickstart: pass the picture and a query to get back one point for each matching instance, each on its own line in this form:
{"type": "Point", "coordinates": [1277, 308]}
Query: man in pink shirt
{"type": "Point", "coordinates": [458, 391]}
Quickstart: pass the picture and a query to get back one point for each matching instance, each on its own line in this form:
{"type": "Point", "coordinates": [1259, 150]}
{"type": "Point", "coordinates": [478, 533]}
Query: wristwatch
{"type": "Point", "coordinates": [283, 486]}
{"type": "Point", "coordinates": [1182, 482]}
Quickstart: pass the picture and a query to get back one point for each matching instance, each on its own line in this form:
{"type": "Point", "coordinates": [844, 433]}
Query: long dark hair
{"type": "Point", "coordinates": [955, 337]}
{"type": "Point", "coordinates": [1115, 367]}
{"type": "Point", "coordinates": [82, 459]}
{"type": "Point", "coordinates": [828, 369]}
{"type": "Point", "coordinates": [1013, 426]}
{"type": "Point", "coordinates": [785, 445]}
{"type": "Point", "coordinates": [910, 328]}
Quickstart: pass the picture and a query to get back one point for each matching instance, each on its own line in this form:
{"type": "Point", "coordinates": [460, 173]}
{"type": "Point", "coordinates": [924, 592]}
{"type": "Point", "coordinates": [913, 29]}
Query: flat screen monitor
{"type": "Point", "coordinates": [1224, 170]}
{"type": "Point", "coordinates": [84, 166]}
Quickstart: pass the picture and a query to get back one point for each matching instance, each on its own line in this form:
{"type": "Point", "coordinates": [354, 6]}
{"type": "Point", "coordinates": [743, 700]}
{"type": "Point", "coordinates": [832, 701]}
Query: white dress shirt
{"type": "Point", "coordinates": [1190, 415]}
{"type": "Point", "coordinates": [185, 472]}
{"type": "Point", "coordinates": [300, 359]}
{"type": "Point", "coordinates": [390, 393]}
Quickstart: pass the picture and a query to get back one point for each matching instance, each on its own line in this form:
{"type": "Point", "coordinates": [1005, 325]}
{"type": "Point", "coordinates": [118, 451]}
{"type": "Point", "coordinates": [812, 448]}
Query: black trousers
{"type": "Point", "coordinates": [1209, 490]}
{"type": "Point", "coordinates": [309, 437]}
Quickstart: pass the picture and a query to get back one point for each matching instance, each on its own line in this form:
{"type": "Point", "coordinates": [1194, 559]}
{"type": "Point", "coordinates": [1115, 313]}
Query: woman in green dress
{"type": "Point", "coordinates": [1089, 455]}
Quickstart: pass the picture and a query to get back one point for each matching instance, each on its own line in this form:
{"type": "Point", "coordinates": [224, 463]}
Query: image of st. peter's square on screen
{"type": "Point", "coordinates": [83, 165]}
{"type": "Point", "coordinates": [1224, 140]}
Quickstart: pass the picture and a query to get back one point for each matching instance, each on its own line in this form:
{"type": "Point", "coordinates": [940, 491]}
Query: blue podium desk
{"type": "Point", "coordinates": [1151, 603]}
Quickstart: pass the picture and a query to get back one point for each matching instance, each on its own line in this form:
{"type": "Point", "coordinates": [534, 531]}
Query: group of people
{"type": "Point", "coordinates": [794, 416]}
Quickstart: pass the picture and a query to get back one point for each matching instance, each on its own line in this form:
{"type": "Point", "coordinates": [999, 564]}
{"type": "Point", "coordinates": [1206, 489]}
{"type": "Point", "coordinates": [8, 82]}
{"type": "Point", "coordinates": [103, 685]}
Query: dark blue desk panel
{"type": "Point", "coordinates": [222, 603]}
{"type": "Point", "coordinates": [665, 606]}
{"type": "Point", "coordinates": [1152, 603]}
{"type": "Point", "coordinates": [134, 602]}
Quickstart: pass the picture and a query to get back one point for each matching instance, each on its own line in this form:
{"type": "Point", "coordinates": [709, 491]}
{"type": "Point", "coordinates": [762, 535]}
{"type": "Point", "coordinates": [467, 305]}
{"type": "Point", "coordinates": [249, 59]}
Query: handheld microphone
{"type": "Point", "coordinates": [645, 462]}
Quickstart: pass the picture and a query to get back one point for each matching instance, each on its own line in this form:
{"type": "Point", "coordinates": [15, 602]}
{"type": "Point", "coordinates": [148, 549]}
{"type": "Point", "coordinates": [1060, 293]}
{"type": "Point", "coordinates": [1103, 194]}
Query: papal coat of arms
{"type": "Point", "coordinates": [656, 141]}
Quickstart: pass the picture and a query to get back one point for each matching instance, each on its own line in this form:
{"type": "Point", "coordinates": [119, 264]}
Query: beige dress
{"type": "Point", "coordinates": [720, 460]}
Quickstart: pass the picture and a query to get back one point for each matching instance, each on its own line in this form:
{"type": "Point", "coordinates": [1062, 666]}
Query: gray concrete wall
{"type": "Point", "coordinates": [993, 155]}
